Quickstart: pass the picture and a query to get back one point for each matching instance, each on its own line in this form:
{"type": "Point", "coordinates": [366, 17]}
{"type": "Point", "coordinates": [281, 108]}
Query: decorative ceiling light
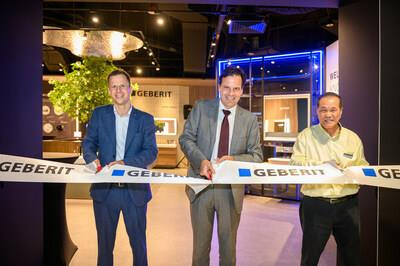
{"type": "Point", "coordinates": [109, 44]}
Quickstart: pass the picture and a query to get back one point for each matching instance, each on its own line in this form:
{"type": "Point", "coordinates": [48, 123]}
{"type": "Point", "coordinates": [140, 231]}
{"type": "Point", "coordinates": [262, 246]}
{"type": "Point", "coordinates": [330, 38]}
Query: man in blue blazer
{"type": "Point", "coordinates": [120, 134]}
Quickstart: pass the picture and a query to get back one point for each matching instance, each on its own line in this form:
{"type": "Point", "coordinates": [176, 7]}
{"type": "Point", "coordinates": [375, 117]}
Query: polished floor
{"type": "Point", "coordinates": [269, 232]}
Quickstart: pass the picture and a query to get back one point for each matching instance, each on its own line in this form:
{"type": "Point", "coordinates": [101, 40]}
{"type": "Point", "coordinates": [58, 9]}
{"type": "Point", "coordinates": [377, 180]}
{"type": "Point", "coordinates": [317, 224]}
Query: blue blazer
{"type": "Point", "coordinates": [140, 148]}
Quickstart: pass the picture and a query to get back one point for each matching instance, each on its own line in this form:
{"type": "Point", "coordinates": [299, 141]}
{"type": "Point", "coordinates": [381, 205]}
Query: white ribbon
{"type": "Point", "coordinates": [23, 169]}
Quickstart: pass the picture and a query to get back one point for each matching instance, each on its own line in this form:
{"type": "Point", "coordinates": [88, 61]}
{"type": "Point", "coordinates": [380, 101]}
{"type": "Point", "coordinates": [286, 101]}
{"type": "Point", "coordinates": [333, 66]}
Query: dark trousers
{"type": "Point", "coordinates": [215, 199]}
{"type": "Point", "coordinates": [319, 219]}
{"type": "Point", "coordinates": [107, 214]}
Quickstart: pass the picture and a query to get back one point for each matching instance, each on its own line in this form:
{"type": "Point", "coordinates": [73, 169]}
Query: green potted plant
{"type": "Point", "coordinates": [83, 89]}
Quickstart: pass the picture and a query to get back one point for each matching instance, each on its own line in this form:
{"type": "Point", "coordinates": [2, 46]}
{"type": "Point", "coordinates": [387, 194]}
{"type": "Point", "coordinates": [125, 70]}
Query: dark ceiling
{"type": "Point", "coordinates": [176, 46]}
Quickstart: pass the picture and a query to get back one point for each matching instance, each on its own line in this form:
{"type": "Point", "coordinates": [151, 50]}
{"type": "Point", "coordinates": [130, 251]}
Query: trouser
{"type": "Point", "coordinates": [107, 214]}
{"type": "Point", "coordinates": [214, 199]}
{"type": "Point", "coordinates": [320, 218]}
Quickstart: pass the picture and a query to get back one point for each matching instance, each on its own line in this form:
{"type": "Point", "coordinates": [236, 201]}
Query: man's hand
{"type": "Point", "coordinates": [206, 169]}
{"type": "Point", "coordinates": [334, 164]}
{"type": "Point", "coordinates": [225, 158]}
{"type": "Point", "coordinates": [116, 162]}
{"type": "Point", "coordinates": [98, 165]}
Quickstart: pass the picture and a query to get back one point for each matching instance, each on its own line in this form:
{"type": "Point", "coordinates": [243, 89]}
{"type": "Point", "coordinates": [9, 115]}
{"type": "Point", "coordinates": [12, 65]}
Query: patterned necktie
{"type": "Point", "coordinates": [224, 136]}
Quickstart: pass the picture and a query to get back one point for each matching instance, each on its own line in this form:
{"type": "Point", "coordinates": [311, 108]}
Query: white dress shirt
{"type": "Point", "coordinates": [231, 120]}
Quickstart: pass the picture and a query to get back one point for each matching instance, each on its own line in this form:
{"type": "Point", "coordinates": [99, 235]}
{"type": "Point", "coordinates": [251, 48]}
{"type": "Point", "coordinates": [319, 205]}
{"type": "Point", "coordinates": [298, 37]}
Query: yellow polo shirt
{"type": "Point", "coordinates": [315, 146]}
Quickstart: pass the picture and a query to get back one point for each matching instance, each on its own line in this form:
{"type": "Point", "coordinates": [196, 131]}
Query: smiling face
{"type": "Point", "coordinates": [329, 113]}
{"type": "Point", "coordinates": [120, 90]}
{"type": "Point", "coordinates": [230, 90]}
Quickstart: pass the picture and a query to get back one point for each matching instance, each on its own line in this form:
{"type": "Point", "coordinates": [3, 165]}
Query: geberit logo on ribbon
{"type": "Point", "coordinates": [382, 172]}
{"type": "Point", "coordinates": [16, 167]}
{"type": "Point", "coordinates": [246, 172]}
{"type": "Point", "coordinates": [142, 173]}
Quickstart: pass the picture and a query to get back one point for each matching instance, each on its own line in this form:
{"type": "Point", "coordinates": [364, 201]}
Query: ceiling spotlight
{"type": "Point", "coordinates": [229, 21]}
{"type": "Point", "coordinates": [157, 69]}
{"type": "Point", "coordinates": [329, 25]}
{"type": "Point", "coordinates": [95, 19]}
{"type": "Point", "coordinates": [139, 70]}
{"type": "Point", "coordinates": [272, 62]}
{"type": "Point", "coordinates": [301, 70]}
{"type": "Point", "coordinates": [145, 47]}
{"type": "Point", "coordinates": [213, 44]}
{"type": "Point", "coordinates": [60, 69]}
{"type": "Point", "coordinates": [151, 12]}
{"type": "Point", "coordinates": [212, 56]}
{"type": "Point", "coordinates": [42, 65]}
{"type": "Point", "coordinates": [150, 53]}
{"type": "Point", "coordinates": [153, 63]}
{"type": "Point", "coordinates": [160, 21]}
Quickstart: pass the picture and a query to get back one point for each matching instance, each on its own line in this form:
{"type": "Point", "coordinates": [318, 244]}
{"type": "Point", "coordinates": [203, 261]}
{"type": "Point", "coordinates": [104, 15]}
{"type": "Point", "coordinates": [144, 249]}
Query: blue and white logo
{"type": "Point", "coordinates": [244, 172]}
{"type": "Point", "coordinates": [369, 172]}
{"type": "Point", "coordinates": [117, 172]}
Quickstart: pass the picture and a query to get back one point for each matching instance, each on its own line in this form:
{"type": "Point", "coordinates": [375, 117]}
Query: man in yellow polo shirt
{"type": "Point", "coordinates": [329, 209]}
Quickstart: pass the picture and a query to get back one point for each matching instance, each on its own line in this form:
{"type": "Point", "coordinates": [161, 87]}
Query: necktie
{"type": "Point", "coordinates": [224, 136]}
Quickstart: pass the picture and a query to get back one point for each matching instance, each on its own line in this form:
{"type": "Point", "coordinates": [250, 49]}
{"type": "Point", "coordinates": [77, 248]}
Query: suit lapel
{"type": "Point", "coordinates": [132, 128]}
{"type": "Point", "coordinates": [110, 125]}
{"type": "Point", "coordinates": [237, 127]}
{"type": "Point", "coordinates": [213, 115]}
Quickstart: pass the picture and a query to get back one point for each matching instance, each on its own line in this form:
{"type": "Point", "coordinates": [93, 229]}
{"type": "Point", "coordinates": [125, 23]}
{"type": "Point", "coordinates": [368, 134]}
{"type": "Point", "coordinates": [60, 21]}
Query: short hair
{"type": "Point", "coordinates": [119, 72]}
{"type": "Point", "coordinates": [232, 71]}
{"type": "Point", "coordinates": [331, 94]}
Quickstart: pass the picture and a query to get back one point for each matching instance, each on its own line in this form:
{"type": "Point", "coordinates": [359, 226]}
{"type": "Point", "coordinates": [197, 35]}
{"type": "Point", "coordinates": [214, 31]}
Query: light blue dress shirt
{"type": "Point", "coordinates": [121, 130]}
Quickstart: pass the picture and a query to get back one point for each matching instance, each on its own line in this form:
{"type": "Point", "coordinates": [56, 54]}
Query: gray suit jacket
{"type": "Point", "coordinates": [198, 138]}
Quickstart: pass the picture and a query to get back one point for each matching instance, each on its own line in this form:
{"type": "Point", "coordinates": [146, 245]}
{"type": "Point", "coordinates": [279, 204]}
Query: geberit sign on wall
{"type": "Point", "coordinates": [152, 93]}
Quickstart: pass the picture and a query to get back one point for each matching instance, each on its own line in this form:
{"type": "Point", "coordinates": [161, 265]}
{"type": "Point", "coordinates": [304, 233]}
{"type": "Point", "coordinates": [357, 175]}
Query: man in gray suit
{"type": "Point", "coordinates": [215, 131]}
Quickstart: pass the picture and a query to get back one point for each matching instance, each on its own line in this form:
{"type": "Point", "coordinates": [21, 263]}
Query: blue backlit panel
{"type": "Point", "coordinates": [291, 73]}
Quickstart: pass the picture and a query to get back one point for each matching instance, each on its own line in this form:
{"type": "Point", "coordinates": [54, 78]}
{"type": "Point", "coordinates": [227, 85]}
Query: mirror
{"type": "Point", "coordinates": [285, 116]}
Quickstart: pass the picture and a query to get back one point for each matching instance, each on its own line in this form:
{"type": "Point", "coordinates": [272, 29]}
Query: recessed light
{"type": "Point", "coordinates": [160, 21]}
{"type": "Point", "coordinates": [229, 21]}
{"type": "Point", "coordinates": [150, 53]}
{"type": "Point", "coordinates": [139, 70]}
{"type": "Point", "coordinates": [95, 19]}
{"type": "Point", "coordinates": [157, 69]}
{"type": "Point", "coordinates": [153, 63]}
